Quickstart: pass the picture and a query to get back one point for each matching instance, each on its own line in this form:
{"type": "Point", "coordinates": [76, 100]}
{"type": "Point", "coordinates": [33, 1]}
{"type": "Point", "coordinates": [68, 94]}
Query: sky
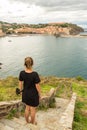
{"type": "Point", "coordinates": [44, 11]}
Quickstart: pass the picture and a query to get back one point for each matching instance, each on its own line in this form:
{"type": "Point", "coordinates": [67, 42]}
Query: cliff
{"type": "Point", "coordinates": [56, 29]}
{"type": "Point", "coordinates": [46, 30]}
{"type": "Point", "coordinates": [53, 29]}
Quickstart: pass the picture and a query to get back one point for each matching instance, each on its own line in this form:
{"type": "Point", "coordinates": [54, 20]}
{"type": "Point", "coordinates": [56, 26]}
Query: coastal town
{"type": "Point", "coordinates": [56, 29]}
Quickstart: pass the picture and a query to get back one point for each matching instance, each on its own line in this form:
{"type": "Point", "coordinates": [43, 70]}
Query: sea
{"type": "Point", "coordinates": [53, 56]}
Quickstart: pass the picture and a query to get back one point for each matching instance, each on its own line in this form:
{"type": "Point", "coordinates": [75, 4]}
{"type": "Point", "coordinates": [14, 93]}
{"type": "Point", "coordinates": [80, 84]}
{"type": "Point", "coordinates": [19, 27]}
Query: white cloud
{"type": "Point", "coordinates": [19, 12]}
{"type": "Point", "coordinates": [37, 11]}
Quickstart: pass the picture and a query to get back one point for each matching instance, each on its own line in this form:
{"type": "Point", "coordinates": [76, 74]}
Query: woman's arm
{"type": "Point", "coordinates": [38, 89]}
{"type": "Point", "coordinates": [20, 85]}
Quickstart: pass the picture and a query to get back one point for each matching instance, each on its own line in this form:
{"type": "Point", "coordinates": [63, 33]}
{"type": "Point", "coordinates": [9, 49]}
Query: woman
{"type": "Point", "coordinates": [29, 82]}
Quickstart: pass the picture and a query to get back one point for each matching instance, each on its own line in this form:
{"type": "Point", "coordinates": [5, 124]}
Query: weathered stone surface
{"type": "Point", "coordinates": [67, 117]}
{"type": "Point", "coordinates": [46, 120]}
{"type": "Point", "coordinates": [47, 100]}
{"type": "Point", "coordinates": [49, 119]}
{"type": "Point", "coordinates": [58, 118]}
{"type": "Point", "coordinates": [6, 107]}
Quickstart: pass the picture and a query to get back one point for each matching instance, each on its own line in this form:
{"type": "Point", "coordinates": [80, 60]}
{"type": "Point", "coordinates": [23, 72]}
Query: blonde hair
{"type": "Point", "coordinates": [28, 62]}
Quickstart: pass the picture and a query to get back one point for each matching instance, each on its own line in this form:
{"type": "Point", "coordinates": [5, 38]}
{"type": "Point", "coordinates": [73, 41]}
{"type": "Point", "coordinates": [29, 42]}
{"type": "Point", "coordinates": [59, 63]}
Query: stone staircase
{"type": "Point", "coordinates": [51, 119]}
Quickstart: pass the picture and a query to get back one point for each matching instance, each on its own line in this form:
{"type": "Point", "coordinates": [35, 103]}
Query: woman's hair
{"type": "Point", "coordinates": [28, 62]}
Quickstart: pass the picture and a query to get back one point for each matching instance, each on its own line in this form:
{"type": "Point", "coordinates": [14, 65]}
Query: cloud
{"type": "Point", "coordinates": [37, 11]}
{"type": "Point", "coordinates": [16, 12]}
{"type": "Point", "coordinates": [76, 4]}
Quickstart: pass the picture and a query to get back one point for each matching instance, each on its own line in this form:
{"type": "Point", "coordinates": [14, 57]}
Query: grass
{"type": "Point", "coordinates": [66, 86]}
{"type": "Point", "coordinates": [7, 89]}
{"type": "Point", "coordinates": [80, 115]}
{"type": "Point", "coordinates": [65, 89]}
{"type": "Point", "coordinates": [80, 89]}
{"type": "Point", "coordinates": [45, 89]}
{"type": "Point", "coordinates": [9, 85]}
{"type": "Point", "coordinates": [12, 113]}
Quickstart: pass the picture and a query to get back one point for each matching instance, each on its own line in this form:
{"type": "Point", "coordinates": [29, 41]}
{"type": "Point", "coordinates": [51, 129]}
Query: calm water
{"type": "Point", "coordinates": [63, 57]}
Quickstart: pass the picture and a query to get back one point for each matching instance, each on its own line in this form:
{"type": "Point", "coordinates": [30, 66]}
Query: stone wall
{"type": "Point", "coordinates": [6, 107]}
{"type": "Point", "coordinates": [47, 100]}
{"type": "Point", "coordinates": [67, 117]}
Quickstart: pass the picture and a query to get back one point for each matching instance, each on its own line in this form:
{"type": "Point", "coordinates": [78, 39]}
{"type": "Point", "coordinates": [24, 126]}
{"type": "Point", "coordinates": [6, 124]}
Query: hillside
{"type": "Point", "coordinates": [57, 29]}
{"type": "Point", "coordinates": [66, 86]}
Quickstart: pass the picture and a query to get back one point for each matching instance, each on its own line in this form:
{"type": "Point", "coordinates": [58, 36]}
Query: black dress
{"type": "Point", "coordinates": [30, 94]}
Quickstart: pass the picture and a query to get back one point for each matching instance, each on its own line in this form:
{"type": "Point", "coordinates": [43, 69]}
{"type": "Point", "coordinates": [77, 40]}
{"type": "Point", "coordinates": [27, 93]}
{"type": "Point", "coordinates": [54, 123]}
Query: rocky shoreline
{"type": "Point", "coordinates": [62, 35]}
{"type": "Point", "coordinates": [56, 29]}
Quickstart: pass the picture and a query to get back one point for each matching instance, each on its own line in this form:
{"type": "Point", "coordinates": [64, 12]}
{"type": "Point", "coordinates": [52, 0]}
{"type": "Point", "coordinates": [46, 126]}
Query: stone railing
{"type": "Point", "coordinates": [66, 119]}
{"type": "Point", "coordinates": [68, 115]}
{"type": "Point", "coordinates": [47, 100]}
{"type": "Point", "coordinates": [6, 107]}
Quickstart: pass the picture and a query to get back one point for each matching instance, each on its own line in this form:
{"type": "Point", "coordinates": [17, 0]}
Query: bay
{"type": "Point", "coordinates": [62, 57]}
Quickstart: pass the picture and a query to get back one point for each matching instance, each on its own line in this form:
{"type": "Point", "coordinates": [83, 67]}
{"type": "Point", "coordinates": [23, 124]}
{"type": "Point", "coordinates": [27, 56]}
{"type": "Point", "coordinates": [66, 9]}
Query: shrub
{"type": "Point", "coordinates": [79, 78]}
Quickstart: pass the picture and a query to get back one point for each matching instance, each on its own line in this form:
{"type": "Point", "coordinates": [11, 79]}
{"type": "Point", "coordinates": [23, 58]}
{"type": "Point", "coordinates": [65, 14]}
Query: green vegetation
{"type": "Point", "coordinates": [7, 89]}
{"type": "Point", "coordinates": [12, 113]}
{"type": "Point", "coordinates": [38, 25]}
{"type": "Point", "coordinates": [65, 87]}
{"type": "Point", "coordinates": [79, 78]}
{"type": "Point", "coordinates": [80, 116]}
{"type": "Point", "coordinates": [9, 28]}
{"type": "Point", "coordinates": [8, 86]}
{"type": "Point", "coordinates": [63, 25]}
{"type": "Point", "coordinates": [15, 113]}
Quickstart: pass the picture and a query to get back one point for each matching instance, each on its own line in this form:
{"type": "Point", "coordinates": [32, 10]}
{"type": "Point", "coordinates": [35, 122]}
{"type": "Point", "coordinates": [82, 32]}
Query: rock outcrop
{"type": "Point", "coordinates": [56, 29]}
{"type": "Point", "coordinates": [52, 30]}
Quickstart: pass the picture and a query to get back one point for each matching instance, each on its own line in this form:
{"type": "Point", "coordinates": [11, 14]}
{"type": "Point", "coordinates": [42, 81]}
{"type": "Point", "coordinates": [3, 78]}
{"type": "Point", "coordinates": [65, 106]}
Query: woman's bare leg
{"type": "Point", "coordinates": [33, 113]}
{"type": "Point", "coordinates": [27, 112]}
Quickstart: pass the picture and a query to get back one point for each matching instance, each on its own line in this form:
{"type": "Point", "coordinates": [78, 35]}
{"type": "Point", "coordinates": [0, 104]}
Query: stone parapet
{"type": "Point", "coordinates": [62, 121]}
{"type": "Point", "coordinates": [7, 106]}
{"type": "Point", "coordinates": [68, 115]}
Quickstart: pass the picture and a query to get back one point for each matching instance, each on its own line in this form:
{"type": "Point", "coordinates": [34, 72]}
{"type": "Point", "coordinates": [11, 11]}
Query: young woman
{"type": "Point", "coordinates": [29, 81]}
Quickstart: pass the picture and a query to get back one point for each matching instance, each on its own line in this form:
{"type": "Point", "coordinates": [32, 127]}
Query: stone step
{"type": "Point", "coordinates": [16, 124]}
{"type": "Point", "coordinates": [22, 122]}
{"type": "Point", "coordinates": [1, 126]}
{"type": "Point", "coordinates": [50, 119]}
{"type": "Point", "coordinates": [19, 121]}
{"type": "Point", "coordinates": [6, 127]}
{"type": "Point", "coordinates": [10, 123]}
{"type": "Point", "coordinates": [46, 120]}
